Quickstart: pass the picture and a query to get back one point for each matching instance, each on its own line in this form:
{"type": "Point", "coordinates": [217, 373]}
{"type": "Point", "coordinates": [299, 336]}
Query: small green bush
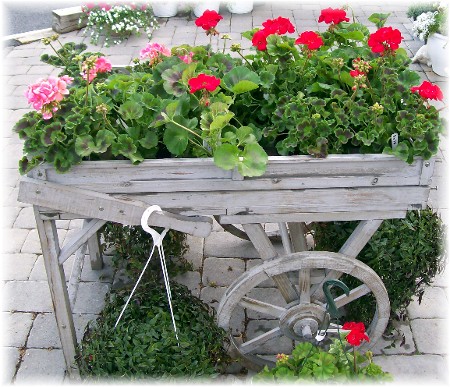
{"type": "Point", "coordinates": [132, 246]}
{"type": "Point", "coordinates": [144, 344]}
{"type": "Point", "coordinates": [405, 253]}
{"type": "Point", "coordinates": [417, 9]}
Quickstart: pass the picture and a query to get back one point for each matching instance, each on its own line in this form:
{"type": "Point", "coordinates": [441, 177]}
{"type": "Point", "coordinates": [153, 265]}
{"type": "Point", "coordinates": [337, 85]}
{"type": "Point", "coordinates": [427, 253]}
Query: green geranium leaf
{"type": "Point", "coordinates": [379, 19]}
{"type": "Point", "coordinates": [131, 110]}
{"type": "Point", "coordinates": [221, 121]}
{"type": "Point", "coordinates": [150, 140]}
{"type": "Point", "coordinates": [245, 135]}
{"type": "Point", "coordinates": [253, 160]}
{"type": "Point", "coordinates": [173, 77]}
{"type": "Point", "coordinates": [240, 80]}
{"type": "Point", "coordinates": [243, 87]}
{"type": "Point", "coordinates": [103, 140]}
{"type": "Point", "coordinates": [176, 139]}
{"type": "Point", "coordinates": [124, 146]}
{"type": "Point", "coordinates": [84, 145]}
{"type": "Point", "coordinates": [226, 156]}
{"type": "Point", "coordinates": [267, 78]}
{"type": "Point", "coordinates": [352, 35]}
{"type": "Point", "coordinates": [324, 367]}
{"type": "Point", "coordinates": [409, 78]}
{"type": "Point", "coordinates": [48, 135]}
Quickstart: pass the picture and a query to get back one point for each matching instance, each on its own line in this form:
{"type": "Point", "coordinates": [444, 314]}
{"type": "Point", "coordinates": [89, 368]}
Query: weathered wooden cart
{"type": "Point", "coordinates": [293, 191]}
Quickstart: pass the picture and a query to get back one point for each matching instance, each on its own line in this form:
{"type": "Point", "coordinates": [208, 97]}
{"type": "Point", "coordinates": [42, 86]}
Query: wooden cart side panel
{"type": "Point", "coordinates": [293, 172]}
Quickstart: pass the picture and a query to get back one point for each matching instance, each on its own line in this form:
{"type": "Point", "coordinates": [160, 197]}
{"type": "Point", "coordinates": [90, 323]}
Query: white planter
{"type": "Point", "coordinates": [166, 9]}
{"type": "Point", "coordinates": [438, 51]}
{"type": "Point", "coordinates": [201, 7]}
{"type": "Point", "coordinates": [243, 6]}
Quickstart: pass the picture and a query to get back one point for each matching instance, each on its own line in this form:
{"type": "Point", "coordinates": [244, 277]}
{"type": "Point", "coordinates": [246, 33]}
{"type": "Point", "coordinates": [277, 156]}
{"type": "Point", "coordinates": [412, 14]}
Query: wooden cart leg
{"type": "Point", "coordinates": [58, 290]}
{"type": "Point", "coordinates": [95, 252]}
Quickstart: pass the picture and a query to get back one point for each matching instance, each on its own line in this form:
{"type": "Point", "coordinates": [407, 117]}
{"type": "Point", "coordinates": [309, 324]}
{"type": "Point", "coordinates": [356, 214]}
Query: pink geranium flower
{"type": "Point", "coordinates": [103, 65]}
{"type": "Point", "coordinates": [153, 51]}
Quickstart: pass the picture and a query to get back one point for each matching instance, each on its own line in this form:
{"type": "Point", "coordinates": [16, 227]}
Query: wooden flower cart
{"type": "Point", "coordinates": [294, 190]}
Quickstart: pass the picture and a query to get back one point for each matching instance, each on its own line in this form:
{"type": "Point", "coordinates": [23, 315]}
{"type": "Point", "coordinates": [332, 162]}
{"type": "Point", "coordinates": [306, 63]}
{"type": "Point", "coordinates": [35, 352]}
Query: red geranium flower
{"type": "Point", "coordinates": [208, 20]}
{"type": "Point", "coordinates": [385, 39]}
{"type": "Point", "coordinates": [280, 26]}
{"type": "Point", "coordinates": [429, 91]}
{"type": "Point", "coordinates": [259, 39]}
{"type": "Point", "coordinates": [335, 16]}
{"type": "Point", "coordinates": [357, 333]}
{"type": "Point", "coordinates": [203, 81]}
{"type": "Point", "coordinates": [355, 73]}
{"type": "Point", "coordinates": [312, 39]}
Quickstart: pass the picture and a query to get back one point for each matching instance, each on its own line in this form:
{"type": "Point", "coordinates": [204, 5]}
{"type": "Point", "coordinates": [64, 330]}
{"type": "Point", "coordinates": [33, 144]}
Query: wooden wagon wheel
{"type": "Point", "coordinates": [299, 319]}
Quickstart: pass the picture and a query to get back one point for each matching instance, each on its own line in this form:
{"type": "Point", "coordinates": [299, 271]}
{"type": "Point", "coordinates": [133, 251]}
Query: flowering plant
{"type": "Point", "coordinates": [429, 18]}
{"type": "Point", "coordinates": [312, 363]}
{"type": "Point", "coordinates": [118, 21]}
{"type": "Point", "coordinates": [344, 90]}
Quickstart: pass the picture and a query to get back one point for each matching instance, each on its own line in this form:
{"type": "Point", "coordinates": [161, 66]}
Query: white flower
{"type": "Point", "coordinates": [421, 26]}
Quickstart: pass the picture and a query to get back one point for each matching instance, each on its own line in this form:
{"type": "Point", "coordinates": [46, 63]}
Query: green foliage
{"type": "Point", "coordinates": [132, 245]}
{"type": "Point", "coordinates": [144, 344]}
{"type": "Point", "coordinates": [310, 363]}
{"type": "Point", "coordinates": [405, 253]}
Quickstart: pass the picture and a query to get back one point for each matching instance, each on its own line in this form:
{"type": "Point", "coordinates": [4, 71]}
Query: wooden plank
{"type": "Point", "coordinates": [311, 200]}
{"type": "Point", "coordinates": [427, 171]}
{"type": "Point", "coordinates": [81, 237]}
{"type": "Point", "coordinates": [101, 206]}
{"type": "Point", "coordinates": [262, 307]}
{"type": "Point", "coordinates": [293, 172]}
{"type": "Point", "coordinates": [58, 291]}
{"type": "Point", "coordinates": [310, 217]}
{"type": "Point", "coordinates": [75, 275]}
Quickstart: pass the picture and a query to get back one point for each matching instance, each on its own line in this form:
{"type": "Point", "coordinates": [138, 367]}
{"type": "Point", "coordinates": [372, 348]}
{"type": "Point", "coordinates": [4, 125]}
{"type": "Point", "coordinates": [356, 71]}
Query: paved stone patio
{"type": "Point", "coordinates": [31, 348]}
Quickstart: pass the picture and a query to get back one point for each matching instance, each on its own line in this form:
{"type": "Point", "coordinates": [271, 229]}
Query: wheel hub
{"type": "Point", "coordinates": [301, 322]}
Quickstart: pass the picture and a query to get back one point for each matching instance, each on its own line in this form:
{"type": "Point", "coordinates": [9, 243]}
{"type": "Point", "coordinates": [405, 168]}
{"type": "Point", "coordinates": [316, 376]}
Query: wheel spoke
{"type": "Point", "coordinates": [254, 343]}
{"type": "Point", "coordinates": [353, 295]}
{"type": "Point", "coordinates": [262, 307]}
{"type": "Point", "coordinates": [304, 282]}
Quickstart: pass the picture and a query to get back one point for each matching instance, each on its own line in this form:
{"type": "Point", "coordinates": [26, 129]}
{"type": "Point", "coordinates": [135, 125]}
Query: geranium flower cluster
{"type": "Point", "coordinates": [208, 21]}
{"type": "Point", "coordinates": [93, 65]}
{"type": "Point", "coordinates": [385, 40]}
{"type": "Point", "coordinates": [280, 26]}
{"type": "Point", "coordinates": [45, 94]}
{"type": "Point", "coordinates": [429, 91]}
{"type": "Point", "coordinates": [153, 52]}
{"type": "Point", "coordinates": [357, 333]}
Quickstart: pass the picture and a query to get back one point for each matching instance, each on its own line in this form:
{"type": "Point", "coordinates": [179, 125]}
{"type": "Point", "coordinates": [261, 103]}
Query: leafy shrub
{"type": "Point", "coordinates": [132, 246]}
{"type": "Point", "coordinates": [405, 253]}
{"type": "Point", "coordinates": [416, 9]}
{"type": "Point", "coordinates": [144, 344]}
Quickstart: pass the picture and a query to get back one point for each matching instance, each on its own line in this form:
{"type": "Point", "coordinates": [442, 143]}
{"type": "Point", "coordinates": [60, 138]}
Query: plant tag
{"type": "Point", "coordinates": [394, 140]}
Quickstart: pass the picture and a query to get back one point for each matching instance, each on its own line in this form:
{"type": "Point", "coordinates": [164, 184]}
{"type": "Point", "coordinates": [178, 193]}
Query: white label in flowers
{"type": "Point", "coordinates": [394, 140]}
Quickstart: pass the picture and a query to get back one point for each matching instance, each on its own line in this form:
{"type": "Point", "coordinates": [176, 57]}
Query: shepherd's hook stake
{"type": "Point", "coordinates": [157, 242]}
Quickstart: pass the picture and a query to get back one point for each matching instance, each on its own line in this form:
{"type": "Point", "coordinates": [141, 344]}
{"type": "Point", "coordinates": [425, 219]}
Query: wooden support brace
{"type": "Point", "coordinates": [267, 251]}
{"type": "Point", "coordinates": [88, 231]}
{"type": "Point", "coordinates": [96, 205]}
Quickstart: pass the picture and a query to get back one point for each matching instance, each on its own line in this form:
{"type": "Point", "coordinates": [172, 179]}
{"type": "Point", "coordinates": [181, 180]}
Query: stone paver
{"type": "Point", "coordinates": [230, 246]}
{"type": "Point", "coordinates": [431, 335]}
{"type": "Point", "coordinates": [27, 296]}
{"type": "Point", "coordinates": [430, 369]}
{"type": "Point", "coordinates": [41, 366]}
{"type": "Point", "coordinates": [17, 266]}
{"type": "Point", "coordinates": [44, 333]}
{"type": "Point", "coordinates": [222, 272]}
{"type": "Point", "coordinates": [434, 304]}
{"type": "Point", "coordinates": [13, 240]}
{"type": "Point", "coordinates": [10, 358]}
{"type": "Point", "coordinates": [17, 326]}
{"type": "Point", "coordinates": [90, 297]}
{"type": "Point", "coordinates": [191, 280]}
